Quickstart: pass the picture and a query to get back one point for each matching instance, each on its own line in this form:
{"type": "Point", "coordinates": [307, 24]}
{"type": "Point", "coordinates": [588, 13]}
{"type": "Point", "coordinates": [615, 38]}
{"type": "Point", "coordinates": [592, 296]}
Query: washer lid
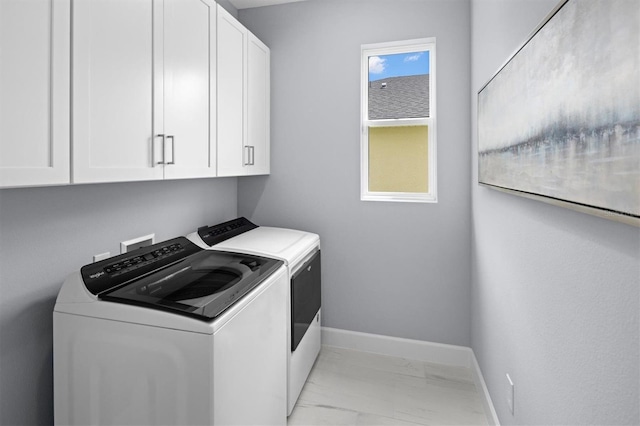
{"type": "Point", "coordinates": [286, 244]}
{"type": "Point", "coordinates": [202, 285]}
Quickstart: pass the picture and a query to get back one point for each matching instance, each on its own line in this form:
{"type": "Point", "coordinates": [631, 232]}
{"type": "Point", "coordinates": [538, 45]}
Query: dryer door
{"type": "Point", "coordinates": [305, 298]}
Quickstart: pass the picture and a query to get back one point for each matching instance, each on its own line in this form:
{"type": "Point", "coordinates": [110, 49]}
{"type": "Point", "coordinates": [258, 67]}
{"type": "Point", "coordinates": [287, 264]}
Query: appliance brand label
{"type": "Point", "coordinates": [97, 275]}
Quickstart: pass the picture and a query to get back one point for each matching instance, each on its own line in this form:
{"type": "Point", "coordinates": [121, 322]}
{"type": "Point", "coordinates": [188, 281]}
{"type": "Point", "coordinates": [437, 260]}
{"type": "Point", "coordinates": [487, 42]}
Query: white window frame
{"type": "Point", "coordinates": [378, 49]}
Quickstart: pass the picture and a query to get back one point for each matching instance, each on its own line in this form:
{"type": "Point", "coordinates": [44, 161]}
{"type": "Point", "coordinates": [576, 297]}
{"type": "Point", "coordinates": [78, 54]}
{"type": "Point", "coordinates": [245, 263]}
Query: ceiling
{"type": "Point", "coordinates": [246, 4]}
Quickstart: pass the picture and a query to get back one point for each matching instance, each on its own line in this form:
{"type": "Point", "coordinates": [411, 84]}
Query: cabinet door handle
{"type": "Point", "coordinates": [173, 149]}
{"type": "Point", "coordinates": [163, 139]}
{"type": "Point", "coordinates": [247, 156]}
{"type": "Point", "coordinates": [252, 157]}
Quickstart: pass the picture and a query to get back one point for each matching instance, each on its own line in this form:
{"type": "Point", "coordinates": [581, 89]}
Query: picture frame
{"type": "Point", "coordinates": [559, 122]}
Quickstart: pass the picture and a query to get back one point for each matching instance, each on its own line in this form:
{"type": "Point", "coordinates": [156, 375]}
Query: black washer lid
{"type": "Point", "coordinates": [202, 285]}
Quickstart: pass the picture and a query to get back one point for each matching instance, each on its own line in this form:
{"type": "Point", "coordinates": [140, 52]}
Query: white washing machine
{"type": "Point", "coordinates": [300, 252]}
{"type": "Point", "coordinates": [172, 334]}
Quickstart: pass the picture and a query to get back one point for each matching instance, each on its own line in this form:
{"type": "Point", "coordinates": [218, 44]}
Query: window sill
{"type": "Point", "coordinates": [400, 197]}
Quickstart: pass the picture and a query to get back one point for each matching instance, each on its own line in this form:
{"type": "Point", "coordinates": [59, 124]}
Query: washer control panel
{"type": "Point", "coordinates": [131, 263]}
{"type": "Point", "coordinates": [216, 234]}
{"type": "Point", "coordinates": [115, 271]}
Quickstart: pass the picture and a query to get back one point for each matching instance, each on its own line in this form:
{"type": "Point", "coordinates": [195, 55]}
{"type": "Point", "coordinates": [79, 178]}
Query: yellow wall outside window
{"type": "Point", "coordinates": [398, 159]}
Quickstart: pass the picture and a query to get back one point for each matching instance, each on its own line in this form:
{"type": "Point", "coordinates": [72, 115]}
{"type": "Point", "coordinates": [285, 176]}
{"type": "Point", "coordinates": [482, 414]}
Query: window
{"type": "Point", "coordinates": [398, 144]}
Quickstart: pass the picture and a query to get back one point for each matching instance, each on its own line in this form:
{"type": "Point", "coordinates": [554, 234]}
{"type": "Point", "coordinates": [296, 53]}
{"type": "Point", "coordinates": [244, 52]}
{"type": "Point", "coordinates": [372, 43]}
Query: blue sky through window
{"type": "Point", "coordinates": [397, 65]}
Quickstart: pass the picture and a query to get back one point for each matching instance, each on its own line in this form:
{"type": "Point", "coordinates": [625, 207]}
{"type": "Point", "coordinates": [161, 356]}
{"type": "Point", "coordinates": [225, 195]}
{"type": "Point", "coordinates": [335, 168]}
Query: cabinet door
{"type": "Point", "coordinates": [34, 92]}
{"type": "Point", "coordinates": [231, 95]}
{"type": "Point", "coordinates": [258, 108]}
{"type": "Point", "coordinates": [117, 98]}
{"type": "Point", "coordinates": [189, 88]}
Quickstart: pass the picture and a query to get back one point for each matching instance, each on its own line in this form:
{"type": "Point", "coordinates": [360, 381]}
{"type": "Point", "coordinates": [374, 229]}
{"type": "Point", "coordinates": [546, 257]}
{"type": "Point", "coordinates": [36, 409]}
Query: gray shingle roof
{"type": "Point", "coordinates": [399, 97]}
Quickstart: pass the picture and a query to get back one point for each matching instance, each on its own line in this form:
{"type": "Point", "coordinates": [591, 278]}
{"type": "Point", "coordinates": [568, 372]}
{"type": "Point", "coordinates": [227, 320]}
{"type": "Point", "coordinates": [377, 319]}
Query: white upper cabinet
{"type": "Point", "coordinates": [258, 106]}
{"type": "Point", "coordinates": [113, 90]}
{"type": "Point", "coordinates": [190, 88]}
{"type": "Point", "coordinates": [143, 85]}
{"type": "Point", "coordinates": [232, 63]}
{"type": "Point", "coordinates": [34, 92]}
{"type": "Point", "coordinates": [243, 100]}
{"type": "Point", "coordinates": [124, 90]}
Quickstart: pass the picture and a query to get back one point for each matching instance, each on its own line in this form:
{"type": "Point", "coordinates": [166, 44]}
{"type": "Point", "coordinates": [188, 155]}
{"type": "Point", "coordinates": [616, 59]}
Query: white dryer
{"type": "Point", "coordinates": [300, 251]}
{"type": "Point", "coordinates": [172, 334]}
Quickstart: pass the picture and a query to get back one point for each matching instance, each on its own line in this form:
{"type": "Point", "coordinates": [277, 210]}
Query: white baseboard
{"type": "Point", "coordinates": [394, 346]}
{"type": "Point", "coordinates": [439, 353]}
{"type": "Point", "coordinates": [489, 409]}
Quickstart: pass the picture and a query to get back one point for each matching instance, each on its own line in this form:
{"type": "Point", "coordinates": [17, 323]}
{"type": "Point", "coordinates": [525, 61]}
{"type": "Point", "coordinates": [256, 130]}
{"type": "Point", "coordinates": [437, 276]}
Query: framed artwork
{"type": "Point", "coordinates": [560, 121]}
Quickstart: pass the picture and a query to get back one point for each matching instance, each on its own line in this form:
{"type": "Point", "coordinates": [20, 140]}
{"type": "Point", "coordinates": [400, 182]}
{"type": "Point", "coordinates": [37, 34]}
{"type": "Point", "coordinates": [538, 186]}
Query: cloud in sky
{"type": "Point", "coordinates": [413, 58]}
{"type": "Point", "coordinates": [376, 64]}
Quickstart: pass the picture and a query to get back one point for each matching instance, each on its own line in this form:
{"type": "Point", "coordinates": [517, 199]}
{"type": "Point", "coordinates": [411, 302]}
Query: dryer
{"type": "Point", "coordinates": [172, 334]}
{"type": "Point", "coordinates": [300, 251]}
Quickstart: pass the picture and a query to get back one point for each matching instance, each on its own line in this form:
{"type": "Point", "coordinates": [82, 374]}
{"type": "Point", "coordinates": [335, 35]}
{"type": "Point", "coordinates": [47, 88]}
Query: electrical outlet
{"type": "Point", "coordinates": [136, 243]}
{"type": "Point", "coordinates": [101, 256]}
{"type": "Point", "coordinates": [510, 393]}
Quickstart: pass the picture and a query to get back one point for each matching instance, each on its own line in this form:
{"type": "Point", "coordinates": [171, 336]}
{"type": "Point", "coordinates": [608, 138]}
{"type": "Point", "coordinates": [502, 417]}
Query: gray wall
{"type": "Point", "coordinates": [555, 292]}
{"type": "Point", "coordinates": [228, 7]}
{"type": "Point", "coordinates": [47, 233]}
{"type": "Point", "coordinates": [396, 269]}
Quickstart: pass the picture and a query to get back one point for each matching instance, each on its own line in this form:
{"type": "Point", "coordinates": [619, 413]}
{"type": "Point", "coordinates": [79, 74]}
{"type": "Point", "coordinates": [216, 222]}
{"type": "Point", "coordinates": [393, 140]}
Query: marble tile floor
{"type": "Point", "coordinates": [348, 387]}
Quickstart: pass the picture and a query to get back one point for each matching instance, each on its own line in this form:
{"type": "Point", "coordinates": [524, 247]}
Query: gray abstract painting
{"type": "Point", "coordinates": [562, 118]}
